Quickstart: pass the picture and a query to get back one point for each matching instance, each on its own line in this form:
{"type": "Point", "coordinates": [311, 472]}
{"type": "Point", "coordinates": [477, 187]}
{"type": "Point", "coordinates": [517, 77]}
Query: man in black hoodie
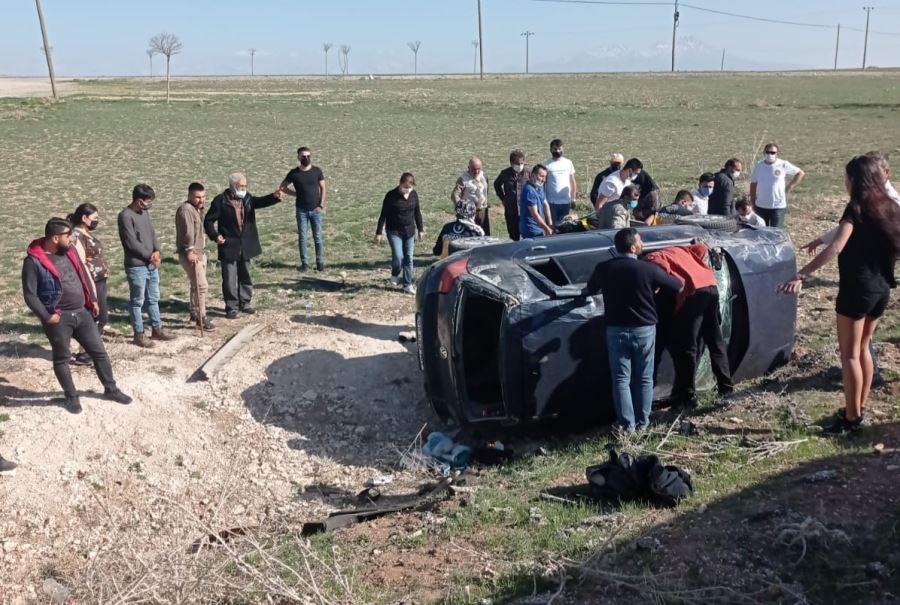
{"type": "Point", "coordinates": [231, 223]}
{"type": "Point", "coordinates": [59, 293]}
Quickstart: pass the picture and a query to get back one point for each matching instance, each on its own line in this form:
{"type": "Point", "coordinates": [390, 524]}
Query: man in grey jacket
{"type": "Point", "coordinates": [142, 259]}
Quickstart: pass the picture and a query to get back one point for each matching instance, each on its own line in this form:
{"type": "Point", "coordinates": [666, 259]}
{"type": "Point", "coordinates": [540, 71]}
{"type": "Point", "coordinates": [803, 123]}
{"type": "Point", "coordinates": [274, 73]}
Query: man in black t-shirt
{"type": "Point", "coordinates": [309, 188]}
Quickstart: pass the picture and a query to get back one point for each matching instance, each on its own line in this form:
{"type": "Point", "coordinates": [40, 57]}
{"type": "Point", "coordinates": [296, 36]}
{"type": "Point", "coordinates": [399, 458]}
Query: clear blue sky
{"type": "Point", "coordinates": [109, 37]}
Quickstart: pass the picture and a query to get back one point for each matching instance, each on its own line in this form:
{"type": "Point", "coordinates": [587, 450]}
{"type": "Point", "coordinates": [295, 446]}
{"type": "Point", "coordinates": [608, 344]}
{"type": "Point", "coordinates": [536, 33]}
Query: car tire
{"type": "Point", "coordinates": [713, 222]}
{"type": "Point", "coordinates": [467, 243]}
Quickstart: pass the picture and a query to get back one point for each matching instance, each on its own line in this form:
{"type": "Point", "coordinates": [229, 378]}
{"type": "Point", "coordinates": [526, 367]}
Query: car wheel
{"type": "Point", "coordinates": [713, 222]}
{"type": "Point", "coordinates": [467, 243]}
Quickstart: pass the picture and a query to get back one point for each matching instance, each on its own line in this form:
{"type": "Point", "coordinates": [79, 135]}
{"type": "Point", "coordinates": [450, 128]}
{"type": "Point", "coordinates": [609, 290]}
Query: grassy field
{"type": "Point", "coordinates": [505, 541]}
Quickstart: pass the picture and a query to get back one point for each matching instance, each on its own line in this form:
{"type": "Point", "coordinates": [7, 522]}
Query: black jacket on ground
{"type": "Point", "coordinates": [222, 220]}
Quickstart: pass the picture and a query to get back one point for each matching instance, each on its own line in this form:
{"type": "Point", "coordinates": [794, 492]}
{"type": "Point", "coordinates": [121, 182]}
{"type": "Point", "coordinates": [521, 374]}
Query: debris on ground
{"type": "Point", "coordinates": [820, 476]}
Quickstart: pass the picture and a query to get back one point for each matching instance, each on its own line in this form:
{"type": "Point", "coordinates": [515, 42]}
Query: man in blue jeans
{"type": "Point", "coordinates": [309, 188]}
{"type": "Point", "coordinates": [142, 261]}
{"type": "Point", "coordinates": [628, 287]}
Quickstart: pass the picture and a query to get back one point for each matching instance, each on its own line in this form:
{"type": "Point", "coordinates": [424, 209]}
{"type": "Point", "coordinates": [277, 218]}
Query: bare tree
{"type": "Point", "coordinates": [344, 59]}
{"type": "Point", "coordinates": [475, 60]}
{"type": "Point", "coordinates": [252, 53]}
{"type": "Point", "coordinates": [168, 45]}
{"type": "Point", "coordinates": [150, 52]}
{"type": "Point", "coordinates": [326, 46]}
{"type": "Point", "coordinates": [414, 46]}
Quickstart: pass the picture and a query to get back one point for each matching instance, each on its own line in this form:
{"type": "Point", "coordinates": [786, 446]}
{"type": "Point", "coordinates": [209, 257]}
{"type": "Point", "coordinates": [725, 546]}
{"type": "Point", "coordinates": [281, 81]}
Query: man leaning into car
{"type": "Point", "coordinates": [631, 319]}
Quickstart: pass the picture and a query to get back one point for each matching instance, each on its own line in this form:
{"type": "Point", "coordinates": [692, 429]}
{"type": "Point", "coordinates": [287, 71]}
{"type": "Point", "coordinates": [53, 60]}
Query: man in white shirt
{"type": "Point", "coordinates": [768, 192]}
{"type": "Point", "coordinates": [560, 188]}
{"type": "Point", "coordinates": [612, 186]}
{"type": "Point", "coordinates": [701, 194]}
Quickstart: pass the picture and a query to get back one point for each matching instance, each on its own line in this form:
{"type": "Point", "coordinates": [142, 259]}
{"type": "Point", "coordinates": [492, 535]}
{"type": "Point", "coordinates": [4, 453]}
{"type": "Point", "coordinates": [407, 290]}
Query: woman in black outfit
{"type": "Point", "coordinates": [401, 214]}
{"type": "Point", "coordinates": [867, 246]}
{"type": "Point", "coordinates": [84, 221]}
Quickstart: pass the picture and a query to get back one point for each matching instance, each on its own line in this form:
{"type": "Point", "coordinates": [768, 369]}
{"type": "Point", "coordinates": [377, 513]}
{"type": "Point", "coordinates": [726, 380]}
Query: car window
{"type": "Point", "coordinates": [571, 268]}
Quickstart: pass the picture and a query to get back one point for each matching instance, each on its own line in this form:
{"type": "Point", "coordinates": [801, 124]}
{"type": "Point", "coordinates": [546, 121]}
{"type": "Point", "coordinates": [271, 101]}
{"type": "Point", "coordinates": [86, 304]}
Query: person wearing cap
{"type": "Point", "coordinates": [560, 187]}
{"type": "Point", "coordinates": [721, 200]}
{"type": "Point", "coordinates": [768, 189]}
{"type": "Point", "coordinates": [615, 163]}
{"type": "Point", "coordinates": [705, 187]}
{"type": "Point", "coordinates": [508, 187]}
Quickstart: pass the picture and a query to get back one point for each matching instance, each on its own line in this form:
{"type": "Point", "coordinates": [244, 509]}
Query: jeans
{"type": "Point", "coordinates": [305, 220]}
{"type": "Point", "coordinates": [631, 366]}
{"type": "Point", "coordinates": [698, 319]}
{"type": "Point", "coordinates": [774, 217]}
{"type": "Point", "coordinates": [103, 303]}
{"type": "Point", "coordinates": [237, 286]}
{"type": "Point", "coordinates": [143, 290]}
{"type": "Point", "coordinates": [402, 249]}
{"type": "Point", "coordinates": [558, 212]}
{"type": "Point", "coordinates": [79, 325]}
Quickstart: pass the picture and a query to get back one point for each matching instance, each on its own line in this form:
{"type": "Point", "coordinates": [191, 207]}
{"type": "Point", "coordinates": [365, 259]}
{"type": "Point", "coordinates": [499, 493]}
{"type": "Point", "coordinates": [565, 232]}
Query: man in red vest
{"type": "Point", "coordinates": [58, 292]}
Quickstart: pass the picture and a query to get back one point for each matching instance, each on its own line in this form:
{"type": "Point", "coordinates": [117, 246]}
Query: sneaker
{"type": "Point", "coordinates": [395, 279]}
{"type": "Point", "coordinates": [160, 334]}
{"type": "Point", "coordinates": [842, 413]}
{"type": "Point", "coordinates": [320, 266]}
{"type": "Point", "coordinates": [7, 467]}
{"type": "Point", "coordinates": [82, 359]}
{"type": "Point", "coordinates": [72, 404]}
{"type": "Point", "coordinates": [117, 396]}
{"type": "Point", "coordinates": [144, 343]}
{"type": "Point", "coordinates": [231, 314]}
{"type": "Point", "coordinates": [248, 310]}
{"type": "Point", "coordinates": [303, 268]}
{"type": "Point", "coordinates": [410, 289]}
{"type": "Point", "coordinates": [208, 324]}
{"type": "Point", "coordinates": [841, 426]}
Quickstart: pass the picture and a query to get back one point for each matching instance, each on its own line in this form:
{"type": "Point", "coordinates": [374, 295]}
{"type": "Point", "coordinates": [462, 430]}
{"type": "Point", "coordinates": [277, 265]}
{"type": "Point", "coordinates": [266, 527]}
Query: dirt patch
{"type": "Point", "coordinates": [33, 87]}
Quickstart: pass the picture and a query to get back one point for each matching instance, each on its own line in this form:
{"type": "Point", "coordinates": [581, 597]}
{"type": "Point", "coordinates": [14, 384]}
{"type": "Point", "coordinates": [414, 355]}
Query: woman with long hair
{"type": "Point", "coordinates": [84, 221]}
{"type": "Point", "coordinates": [402, 216]}
{"type": "Point", "coordinates": [867, 245]}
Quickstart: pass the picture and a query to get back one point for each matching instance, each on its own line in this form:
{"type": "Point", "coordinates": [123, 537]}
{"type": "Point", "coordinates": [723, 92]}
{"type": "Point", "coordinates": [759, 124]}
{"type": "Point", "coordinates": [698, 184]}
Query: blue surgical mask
{"type": "Point", "coordinates": [632, 204]}
{"type": "Point", "coordinates": [706, 191]}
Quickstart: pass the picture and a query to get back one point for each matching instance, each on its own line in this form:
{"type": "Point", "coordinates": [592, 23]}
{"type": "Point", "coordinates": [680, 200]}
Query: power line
{"type": "Point", "coordinates": [752, 18]}
{"type": "Point", "coordinates": [609, 3]}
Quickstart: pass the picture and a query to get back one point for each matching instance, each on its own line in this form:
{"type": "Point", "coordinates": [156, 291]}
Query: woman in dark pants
{"type": "Point", "coordinates": [401, 214]}
{"type": "Point", "coordinates": [867, 245]}
{"type": "Point", "coordinates": [84, 221]}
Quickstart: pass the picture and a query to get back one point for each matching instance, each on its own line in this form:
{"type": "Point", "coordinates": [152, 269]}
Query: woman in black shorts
{"type": "Point", "coordinates": [867, 245]}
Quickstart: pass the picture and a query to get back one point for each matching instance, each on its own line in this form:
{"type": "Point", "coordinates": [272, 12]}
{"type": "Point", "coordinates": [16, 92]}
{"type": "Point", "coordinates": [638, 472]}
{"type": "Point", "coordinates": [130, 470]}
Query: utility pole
{"type": "Point", "coordinates": [837, 45]}
{"type": "Point", "coordinates": [48, 52]}
{"type": "Point", "coordinates": [480, 41]}
{"type": "Point", "coordinates": [527, 35]}
{"type": "Point", "coordinates": [722, 66]}
{"type": "Point", "coordinates": [475, 45]}
{"type": "Point", "coordinates": [674, 27]}
{"type": "Point", "coordinates": [868, 10]}
{"type": "Point", "coordinates": [252, 53]}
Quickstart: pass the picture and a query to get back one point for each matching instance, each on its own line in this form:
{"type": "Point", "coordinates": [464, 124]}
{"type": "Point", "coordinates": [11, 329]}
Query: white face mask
{"type": "Point", "coordinates": [239, 194]}
{"type": "Point", "coordinates": [736, 174]}
{"type": "Point", "coordinates": [770, 157]}
{"type": "Point", "coordinates": [406, 190]}
{"type": "Point", "coordinates": [517, 168]}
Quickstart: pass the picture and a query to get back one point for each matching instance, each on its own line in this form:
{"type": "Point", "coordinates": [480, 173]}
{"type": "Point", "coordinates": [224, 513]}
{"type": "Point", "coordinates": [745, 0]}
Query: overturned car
{"type": "Point", "coordinates": [505, 336]}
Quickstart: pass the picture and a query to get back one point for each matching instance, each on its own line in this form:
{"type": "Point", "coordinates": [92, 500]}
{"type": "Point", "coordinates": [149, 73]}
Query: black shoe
{"type": "Point", "coordinates": [82, 359]}
{"type": "Point", "coordinates": [208, 324]}
{"type": "Point", "coordinates": [248, 310]}
{"type": "Point", "coordinates": [841, 426]}
{"type": "Point", "coordinates": [231, 315]}
{"type": "Point", "coordinates": [193, 317]}
{"type": "Point", "coordinates": [303, 268]}
{"type": "Point", "coordinates": [72, 404]}
{"type": "Point", "coordinates": [320, 266]}
{"type": "Point", "coordinates": [117, 396]}
{"type": "Point", "coordinates": [842, 413]}
{"type": "Point", "coordinates": [7, 467]}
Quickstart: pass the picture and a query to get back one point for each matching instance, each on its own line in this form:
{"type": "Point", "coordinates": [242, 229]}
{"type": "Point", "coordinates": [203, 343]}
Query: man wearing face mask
{"type": "Point", "coordinates": [142, 260]}
{"type": "Point", "coordinates": [508, 187]}
{"type": "Point", "coordinates": [705, 188]}
{"type": "Point", "coordinates": [535, 215]}
{"type": "Point", "coordinates": [617, 214]}
{"type": "Point", "coordinates": [612, 186]}
{"type": "Point", "coordinates": [561, 187]}
{"type": "Point", "coordinates": [231, 223]}
{"type": "Point", "coordinates": [58, 291]}
{"type": "Point", "coordinates": [768, 192]}
{"type": "Point", "coordinates": [309, 188]}
{"type": "Point", "coordinates": [721, 200]}
{"type": "Point", "coordinates": [190, 240]}
{"type": "Point", "coordinates": [615, 163]}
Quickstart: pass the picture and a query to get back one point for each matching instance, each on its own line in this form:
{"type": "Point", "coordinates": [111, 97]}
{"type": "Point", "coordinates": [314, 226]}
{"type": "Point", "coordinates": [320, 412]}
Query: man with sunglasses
{"type": "Point", "coordinates": [768, 191]}
{"type": "Point", "coordinates": [59, 293]}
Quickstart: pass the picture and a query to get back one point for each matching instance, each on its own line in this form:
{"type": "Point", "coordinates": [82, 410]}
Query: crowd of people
{"type": "Point", "coordinates": [64, 273]}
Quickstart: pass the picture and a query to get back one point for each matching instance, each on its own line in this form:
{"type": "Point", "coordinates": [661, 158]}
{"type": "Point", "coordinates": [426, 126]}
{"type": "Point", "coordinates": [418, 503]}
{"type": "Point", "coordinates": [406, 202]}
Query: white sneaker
{"type": "Point", "coordinates": [410, 289]}
{"type": "Point", "coordinates": [395, 279]}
